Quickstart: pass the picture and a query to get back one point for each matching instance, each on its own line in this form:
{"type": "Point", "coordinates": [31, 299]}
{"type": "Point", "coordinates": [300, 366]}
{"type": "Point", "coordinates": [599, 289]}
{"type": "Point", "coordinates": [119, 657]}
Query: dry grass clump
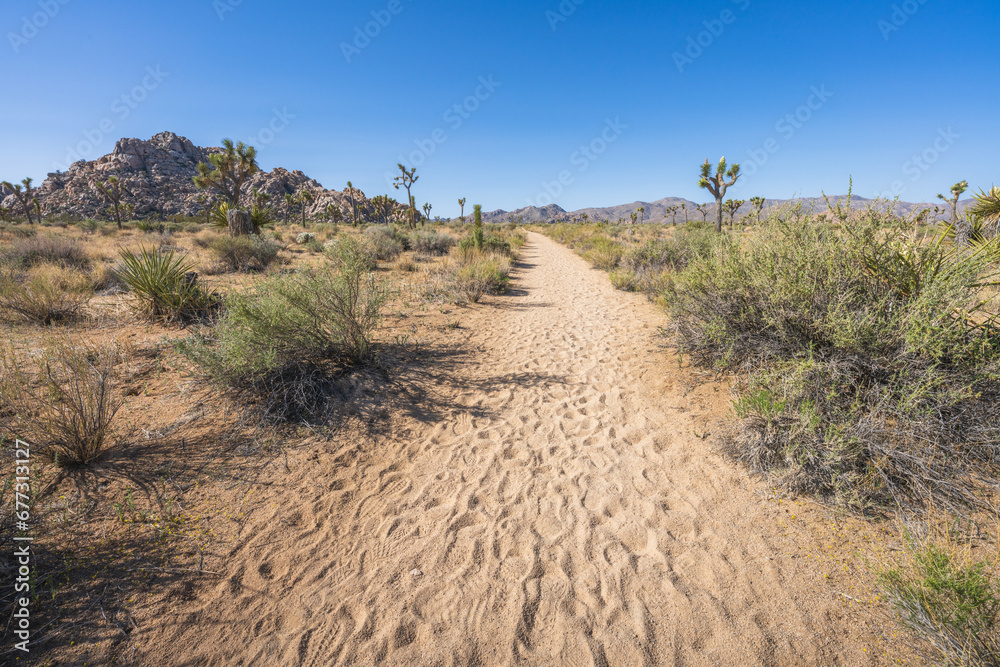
{"type": "Point", "coordinates": [468, 275]}
{"type": "Point", "coordinates": [243, 254]}
{"type": "Point", "coordinates": [25, 253]}
{"type": "Point", "coordinates": [45, 294]}
{"type": "Point", "coordinates": [63, 400]}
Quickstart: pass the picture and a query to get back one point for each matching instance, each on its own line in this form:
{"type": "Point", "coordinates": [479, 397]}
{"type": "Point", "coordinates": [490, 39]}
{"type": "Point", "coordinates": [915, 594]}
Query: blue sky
{"type": "Point", "coordinates": [580, 102]}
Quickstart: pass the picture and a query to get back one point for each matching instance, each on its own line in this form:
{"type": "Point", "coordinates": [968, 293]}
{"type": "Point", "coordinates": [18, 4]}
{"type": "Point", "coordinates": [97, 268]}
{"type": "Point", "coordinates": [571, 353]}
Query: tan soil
{"type": "Point", "coordinates": [552, 500]}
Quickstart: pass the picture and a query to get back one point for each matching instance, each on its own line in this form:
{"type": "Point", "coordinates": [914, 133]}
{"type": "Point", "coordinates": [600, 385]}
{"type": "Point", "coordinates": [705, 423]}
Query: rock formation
{"type": "Point", "coordinates": [156, 175]}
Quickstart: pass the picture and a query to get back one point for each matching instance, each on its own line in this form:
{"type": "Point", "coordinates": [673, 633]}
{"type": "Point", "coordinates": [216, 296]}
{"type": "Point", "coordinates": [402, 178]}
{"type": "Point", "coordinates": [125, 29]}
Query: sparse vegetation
{"type": "Point", "coordinates": [284, 341]}
{"type": "Point", "coordinates": [244, 254]}
{"type": "Point", "coordinates": [45, 295]}
{"type": "Point", "coordinates": [63, 401]}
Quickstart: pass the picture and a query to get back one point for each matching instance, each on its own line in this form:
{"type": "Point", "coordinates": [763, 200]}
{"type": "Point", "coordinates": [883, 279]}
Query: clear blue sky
{"type": "Point", "coordinates": [896, 80]}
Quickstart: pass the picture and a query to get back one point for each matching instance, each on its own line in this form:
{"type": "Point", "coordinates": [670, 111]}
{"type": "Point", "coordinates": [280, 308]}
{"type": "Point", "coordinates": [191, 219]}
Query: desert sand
{"type": "Point", "coordinates": [564, 507]}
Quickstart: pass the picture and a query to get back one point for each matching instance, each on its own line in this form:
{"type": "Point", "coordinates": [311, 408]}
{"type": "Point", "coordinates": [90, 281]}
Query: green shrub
{"type": "Point", "coordinates": [604, 253]}
{"type": "Point", "coordinates": [432, 243]}
{"type": "Point", "coordinates": [950, 603]}
{"type": "Point", "coordinates": [625, 280]}
{"type": "Point", "coordinates": [245, 254]}
{"type": "Point", "coordinates": [384, 243]}
{"type": "Point", "coordinates": [876, 347]}
{"type": "Point", "coordinates": [165, 286]}
{"type": "Point", "coordinates": [63, 400]}
{"type": "Point", "coordinates": [284, 341]}
{"type": "Point", "coordinates": [27, 252]}
{"type": "Point", "coordinates": [489, 243]}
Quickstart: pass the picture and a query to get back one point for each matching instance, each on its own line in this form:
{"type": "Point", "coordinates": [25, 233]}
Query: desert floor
{"type": "Point", "coordinates": [542, 492]}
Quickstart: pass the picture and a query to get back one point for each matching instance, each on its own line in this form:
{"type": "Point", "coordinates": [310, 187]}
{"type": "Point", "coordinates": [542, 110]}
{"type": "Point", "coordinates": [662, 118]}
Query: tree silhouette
{"type": "Point", "coordinates": [732, 206]}
{"type": "Point", "coordinates": [25, 198]}
{"type": "Point", "coordinates": [758, 204]}
{"type": "Point", "coordinates": [112, 191]}
{"type": "Point", "coordinates": [354, 204]}
{"type": "Point", "coordinates": [407, 178]}
{"type": "Point", "coordinates": [717, 185]}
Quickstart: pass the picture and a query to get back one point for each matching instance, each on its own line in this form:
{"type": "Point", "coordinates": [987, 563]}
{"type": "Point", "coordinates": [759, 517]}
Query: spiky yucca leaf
{"type": "Point", "coordinates": [987, 206]}
{"type": "Point", "coordinates": [161, 284]}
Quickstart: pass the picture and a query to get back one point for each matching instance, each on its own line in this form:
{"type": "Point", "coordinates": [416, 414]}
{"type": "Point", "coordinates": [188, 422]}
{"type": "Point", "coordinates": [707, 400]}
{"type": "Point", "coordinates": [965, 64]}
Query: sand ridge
{"type": "Point", "coordinates": [567, 512]}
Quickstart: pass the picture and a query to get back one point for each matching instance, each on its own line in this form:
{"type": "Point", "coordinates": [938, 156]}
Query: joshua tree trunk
{"type": "Point", "coordinates": [239, 223]}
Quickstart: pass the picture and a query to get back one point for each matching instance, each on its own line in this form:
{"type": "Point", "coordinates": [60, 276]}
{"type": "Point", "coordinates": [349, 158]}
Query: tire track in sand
{"type": "Point", "coordinates": [566, 515]}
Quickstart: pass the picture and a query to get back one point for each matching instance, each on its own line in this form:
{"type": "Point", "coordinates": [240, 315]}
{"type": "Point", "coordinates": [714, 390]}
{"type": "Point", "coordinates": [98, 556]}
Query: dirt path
{"type": "Point", "coordinates": [566, 512]}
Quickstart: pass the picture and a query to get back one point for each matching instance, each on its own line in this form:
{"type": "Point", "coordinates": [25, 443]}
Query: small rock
{"type": "Point", "coordinates": [416, 573]}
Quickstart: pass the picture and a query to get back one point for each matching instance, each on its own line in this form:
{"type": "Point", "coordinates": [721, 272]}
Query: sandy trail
{"type": "Point", "coordinates": [564, 513]}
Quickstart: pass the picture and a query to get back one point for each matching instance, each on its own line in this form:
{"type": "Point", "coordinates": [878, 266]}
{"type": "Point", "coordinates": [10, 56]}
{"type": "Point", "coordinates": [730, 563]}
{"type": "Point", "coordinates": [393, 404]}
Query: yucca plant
{"type": "Point", "coordinates": [163, 286]}
{"type": "Point", "coordinates": [978, 233]}
{"type": "Point", "coordinates": [259, 216]}
{"type": "Point", "coordinates": [987, 206]}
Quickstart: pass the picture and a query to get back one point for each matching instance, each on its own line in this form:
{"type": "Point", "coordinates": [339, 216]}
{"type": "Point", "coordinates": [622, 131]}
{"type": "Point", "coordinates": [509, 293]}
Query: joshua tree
{"type": "Point", "coordinates": [672, 212]}
{"type": "Point", "coordinates": [717, 185]}
{"type": "Point", "coordinates": [25, 198]}
{"type": "Point", "coordinates": [112, 191]}
{"type": "Point", "coordinates": [227, 172]}
{"type": "Point", "coordinates": [758, 205]}
{"type": "Point", "coordinates": [684, 207]}
{"type": "Point", "coordinates": [732, 206]}
{"type": "Point", "coordinates": [642, 213]}
{"type": "Point", "coordinates": [333, 213]}
{"type": "Point", "coordinates": [407, 178]}
{"type": "Point", "coordinates": [956, 192]}
{"type": "Point", "coordinates": [306, 198]}
{"type": "Point", "coordinates": [354, 204]}
{"type": "Point", "coordinates": [584, 217]}
{"type": "Point", "coordinates": [384, 205]}
{"type": "Point", "coordinates": [290, 205]}
{"type": "Point", "coordinates": [634, 216]}
{"type": "Point", "coordinates": [427, 211]}
{"type": "Point", "coordinates": [461, 203]}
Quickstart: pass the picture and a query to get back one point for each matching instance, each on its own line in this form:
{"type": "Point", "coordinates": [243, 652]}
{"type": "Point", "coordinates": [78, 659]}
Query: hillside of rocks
{"type": "Point", "coordinates": [157, 175]}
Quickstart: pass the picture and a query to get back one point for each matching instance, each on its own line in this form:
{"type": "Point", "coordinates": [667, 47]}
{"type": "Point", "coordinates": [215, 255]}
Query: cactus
{"type": "Point", "coordinates": [478, 238]}
{"type": "Point", "coordinates": [717, 185]}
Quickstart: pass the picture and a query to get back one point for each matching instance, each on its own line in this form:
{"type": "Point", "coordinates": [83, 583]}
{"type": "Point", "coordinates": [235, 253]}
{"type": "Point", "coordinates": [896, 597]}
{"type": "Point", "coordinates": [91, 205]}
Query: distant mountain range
{"type": "Point", "coordinates": [657, 211]}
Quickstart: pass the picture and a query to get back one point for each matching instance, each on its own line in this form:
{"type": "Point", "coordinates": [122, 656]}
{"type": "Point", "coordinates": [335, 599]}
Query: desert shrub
{"type": "Point", "coordinates": [481, 275]}
{"type": "Point", "coordinates": [305, 237]}
{"type": "Point", "coordinates": [384, 243]}
{"type": "Point", "coordinates": [31, 251]}
{"type": "Point", "coordinates": [406, 264]}
{"type": "Point", "coordinates": [46, 295]}
{"type": "Point", "coordinates": [868, 371]}
{"type": "Point", "coordinates": [105, 278]}
{"type": "Point", "coordinates": [245, 254]}
{"type": "Point", "coordinates": [490, 243]}
{"type": "Point", "coordinates": [625, 280]}
{"type": "Point", "coordinates": [432, 243]}
{"type": "Point", "coordinates": [948, 601]}
{"type": "Point", "coordinates": [63, 400]}
{"type": "Point", "coordinates": [165, 286]}
{"type": "Point", "coordinates": [284, 341]}
{"type": "Point", "coordinates": [603, 252]}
